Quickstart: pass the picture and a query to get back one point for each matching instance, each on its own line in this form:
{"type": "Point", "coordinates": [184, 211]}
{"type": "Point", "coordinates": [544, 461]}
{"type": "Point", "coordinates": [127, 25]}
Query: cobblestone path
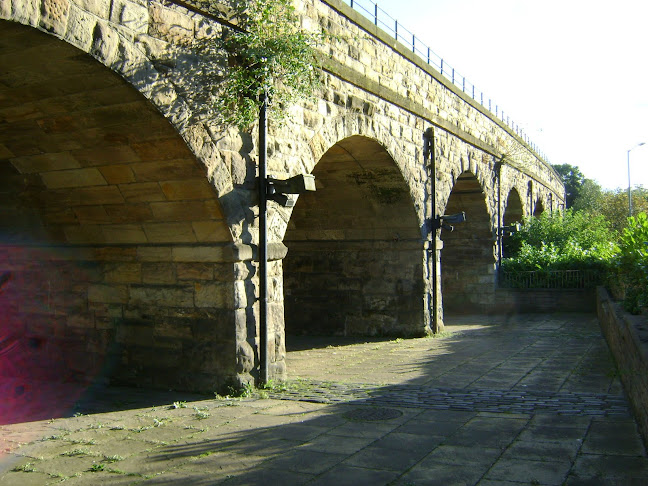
{"type": "Point", "coordinates": [497, 401]}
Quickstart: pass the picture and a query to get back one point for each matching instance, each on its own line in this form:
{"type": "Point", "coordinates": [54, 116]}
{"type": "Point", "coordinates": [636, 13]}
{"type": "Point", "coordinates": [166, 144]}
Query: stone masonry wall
{"type": "Point", "coordinates": [627, 336]}
{"type": "Point", "coordinates": [141, 315]}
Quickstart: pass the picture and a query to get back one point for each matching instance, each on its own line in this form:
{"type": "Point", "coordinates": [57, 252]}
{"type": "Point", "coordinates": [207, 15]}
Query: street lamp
{"type": "Point", "coordinates": [629, 188]}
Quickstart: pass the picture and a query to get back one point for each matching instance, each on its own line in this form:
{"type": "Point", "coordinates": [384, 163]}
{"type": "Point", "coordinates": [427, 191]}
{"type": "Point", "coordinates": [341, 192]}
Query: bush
{"type": "Point", "coordinates": [568, 241]}
{"type": "Point", "coordinates": [631, 266]}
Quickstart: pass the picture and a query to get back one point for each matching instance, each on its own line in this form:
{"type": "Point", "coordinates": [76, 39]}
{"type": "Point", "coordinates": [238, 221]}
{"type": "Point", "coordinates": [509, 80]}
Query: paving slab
{"type": "Point", "coordinates": [508, 401]}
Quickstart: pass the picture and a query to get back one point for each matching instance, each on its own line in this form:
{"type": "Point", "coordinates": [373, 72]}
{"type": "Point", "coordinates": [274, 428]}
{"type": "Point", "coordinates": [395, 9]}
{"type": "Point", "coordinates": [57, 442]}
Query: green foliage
{"type": "Point", "coordinates": [573, 180]}
{"type": "Point", "coordinates": [270, 55]}
{"type": "Point", "coordinates": [569, 241]}
{"type": "Point", "coordinates": [632, 264]}
{"type": "Point", "coordinates": [613, 205]}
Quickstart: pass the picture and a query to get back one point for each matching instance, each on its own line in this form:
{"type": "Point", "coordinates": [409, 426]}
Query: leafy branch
{"type": "Point", "coordinates": [269, 54]}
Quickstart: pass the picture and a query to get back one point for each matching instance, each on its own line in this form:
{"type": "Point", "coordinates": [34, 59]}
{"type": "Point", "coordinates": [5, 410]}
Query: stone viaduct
{"type": "Point", "coordinates": [129, 218]}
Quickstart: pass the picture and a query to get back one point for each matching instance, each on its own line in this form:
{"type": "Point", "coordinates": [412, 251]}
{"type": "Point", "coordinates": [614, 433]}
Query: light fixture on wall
{"type": "Point", "coordinates": [447, 220]}
{"type": "Point", "coordinates": [276, 189]}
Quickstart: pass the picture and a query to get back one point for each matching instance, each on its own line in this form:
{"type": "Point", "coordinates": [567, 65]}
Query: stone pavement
{"type": "Point", "coordinates": [529, 400]}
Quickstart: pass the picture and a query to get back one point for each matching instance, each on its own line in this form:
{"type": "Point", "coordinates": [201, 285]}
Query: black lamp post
{"type": "Point", "coordinates": [273, 190]}
{"type": "Point", "coordinates": [629, 188]}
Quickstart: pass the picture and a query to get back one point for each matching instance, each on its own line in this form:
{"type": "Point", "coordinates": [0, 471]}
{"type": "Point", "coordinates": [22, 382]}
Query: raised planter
{"type": "Point", "coordinates": [627, 337]}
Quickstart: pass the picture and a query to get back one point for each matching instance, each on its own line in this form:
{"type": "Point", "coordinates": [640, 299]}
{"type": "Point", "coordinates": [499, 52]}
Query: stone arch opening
{"type": "Point", "coordinates": [354, 262]}
{"type": "Point", "coordinates": [468, 256]}
{"type": "Point", "coordinates": [538, 208]}
{"type": "Point", "coordinates": [113, 245]}
{"type": "Point", "coordinates": [513, 213]}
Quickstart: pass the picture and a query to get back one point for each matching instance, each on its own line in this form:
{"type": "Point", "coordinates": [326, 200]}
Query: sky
{"type": "Point", "coordinates": [572, 73]}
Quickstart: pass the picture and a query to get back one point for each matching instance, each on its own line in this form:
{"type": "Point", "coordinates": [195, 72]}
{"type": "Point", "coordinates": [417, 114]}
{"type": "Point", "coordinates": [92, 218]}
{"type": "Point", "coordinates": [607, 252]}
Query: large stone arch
{"type": "Point", "coordinates": [134, 41]}
{"type": "Point", "coordinates": [118, 257]}
{"type": "Point", "coordinates": [468, 257]}
{"type": "Point", "coordinates": [354, 263]}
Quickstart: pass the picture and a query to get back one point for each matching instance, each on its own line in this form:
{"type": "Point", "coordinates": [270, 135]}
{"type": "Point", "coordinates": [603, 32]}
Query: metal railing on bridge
{"type": "Point", "coordinates": [384, 21]}
{"type": "Point", "coordinates": [553, 279]}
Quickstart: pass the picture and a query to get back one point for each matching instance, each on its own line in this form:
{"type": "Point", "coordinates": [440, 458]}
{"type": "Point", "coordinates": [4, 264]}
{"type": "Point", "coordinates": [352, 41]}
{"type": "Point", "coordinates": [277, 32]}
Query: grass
{"type": "Point", "coordinates": [201, 413]}
{"type": "Point", "coordinates": [78, 452]}
{"type": "Point", "coordinates": [114, 458]}
{"type": "Point", "coordinates": [27, 467]}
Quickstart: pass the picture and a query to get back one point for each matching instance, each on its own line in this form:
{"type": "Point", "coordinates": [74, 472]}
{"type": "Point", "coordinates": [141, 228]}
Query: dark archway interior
{"type": "Point", "coordinates": [538, 209]}
{"type": "Point", "coordinates": [96, 189]}
{"type": "Point", "coordinates": [354, 263]}
{"type": "Point", "coordinates": [513, 212]}
{"type": "Point", "coordinates": [468, 255]}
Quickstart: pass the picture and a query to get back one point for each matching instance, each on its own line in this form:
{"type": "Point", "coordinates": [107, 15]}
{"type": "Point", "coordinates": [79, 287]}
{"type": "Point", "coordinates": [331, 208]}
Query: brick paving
{"type": "Point", "coordinates": [525, 400]}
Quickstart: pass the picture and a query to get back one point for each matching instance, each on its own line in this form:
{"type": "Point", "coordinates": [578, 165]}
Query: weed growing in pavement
{"type": "Point", "coordinates": [78, 452]}
{"type": "Point", "coordinates": [97, 467]}
{"type": "Point", "coordinates": [440, 335]}
{"type": "Point", "coordinates": [177, 405]}
{"type": "Point", "coordinates": [114, 458]}
{"type": "Point", "coordinates": [27, 467]}
{"type": "Point", "coordinates": [83, 441]}
{"type": "Point", "coordinates": [201, 413]}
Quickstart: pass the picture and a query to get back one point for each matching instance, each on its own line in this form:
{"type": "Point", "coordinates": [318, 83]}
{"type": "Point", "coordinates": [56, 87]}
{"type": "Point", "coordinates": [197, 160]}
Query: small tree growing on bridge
{"type": "Point", "coordinates": [269, 55]}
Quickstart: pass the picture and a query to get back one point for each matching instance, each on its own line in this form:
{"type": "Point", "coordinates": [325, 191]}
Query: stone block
{"type": "Point", "coordinates": [54, 15]}
{"type": "Point", "coordinates": [173, 169]}
{"type": "Point", "coordinates": [154, 253]}
{"type": "Point", "coordinates": [115, 254]}
{"type": "Point", "coordinates": [169, 232]}
{"type": "Point", "coordinates": [195, 271]}
{"type": "Point", "coordinates": [124, 234]}
{"type": "Point", "coordinates": [213, 295]}
{"type": "Point", "coordinates": [179, 210]}
{"type": "Point", "coordinates": [132, 15]}
{"type": "Point", "coordinates": [129, 213]}
{"type": "Point", "coordinates": [96, 195]}
{"type": "Point", "coordinates": [108, 294]}
{"type": "Point", "coordinates": [80, 27]}
{"type": "Point", "coordinates": [84, 234]}
{"type": "Point", "coordinates": [91, 215]}
{"type": "Point", "coordinates": [170, 25]}
{"type": "Point", "coordinates": [197, 253]}
{"type": "Point", "coordinates": [173, 330]}
{"type": "Point", "coordinates": [117, 174]}
{"type": "Point", "coordinates": [162, 295]}
{"type": "Point", "coordinates": [81, 319]}
{"type": "Point", "coordinates": [99, 8]}
{"type": "Point", "coordinates": [158, 273]}
{"type": "Point", "coordinates": [123, 273]}
{"type": "Point", "coordinates": [104, 41]}
{"type": "Point", "coordinates": [169, 149]}
{"type": "Point", "coordinates": [45, 162]}
{"type": "Point", "coordinates": [142, 192]}
{"type": "Point", "coordinates": [211, 231]}
{"type": "Point", "coordinates": [187, 190]}
{"type": "Point", "coordinates": [73, 178]}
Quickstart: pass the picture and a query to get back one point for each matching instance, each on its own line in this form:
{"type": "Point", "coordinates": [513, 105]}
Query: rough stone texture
{"type": "Point", "coordinates": [627, 336]}
{"type": "Point", "coordinates": [95, 315]}
{"type": "Point", "coordinates": [516, 301]}
{"type": "Point", "coordinates": [109, 142]}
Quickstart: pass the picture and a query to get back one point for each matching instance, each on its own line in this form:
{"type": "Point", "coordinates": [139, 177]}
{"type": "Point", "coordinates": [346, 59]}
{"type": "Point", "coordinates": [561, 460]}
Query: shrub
{"type": "Point", "coordinates": [561, 241]}
{"type": "Point", "coordinates": [631, 266]}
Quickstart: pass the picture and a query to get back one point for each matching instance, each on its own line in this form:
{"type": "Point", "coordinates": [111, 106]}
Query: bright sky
{"type": "Point", "coordinates": [572, 73]}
